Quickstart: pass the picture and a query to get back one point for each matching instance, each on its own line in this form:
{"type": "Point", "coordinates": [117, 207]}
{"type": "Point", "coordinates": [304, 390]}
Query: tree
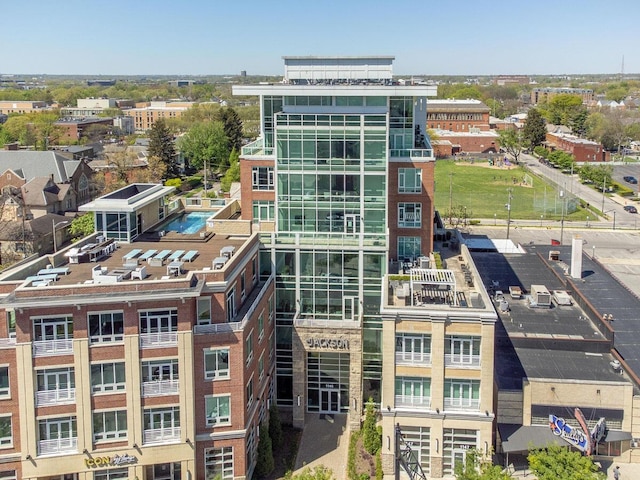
{"type": "Point", "coordinates": [371, 437]}
{"type": "Point", "coordinates": [534, 130]}
{"type": "Point", "coordinates": [206, 142]}
{"type": "Point", "coordinates": [232, 127]}
{"type": "Point", "coordinates": [233, 172]}
{"type": "Point", "coordinates": [161, 145]}
{"type": "Point", "coordinates": [275, 427]}
{"type": "Point", "coordinates": [513, 142]}
{"type": "Point", "coordinates": [318, 473]}
{"type": "Point", "coordinates": [560, 109]}
{"type": "Point", "coordinates": [154, 173]}
{"type": "Point", "coordinates": [476, 467]}
{"type": "Point", "coordinates": [561, 463]}
{"type": "Point", "coordinates": [264, 461]}
{"type": "Point", "coordinates": [82, 226]}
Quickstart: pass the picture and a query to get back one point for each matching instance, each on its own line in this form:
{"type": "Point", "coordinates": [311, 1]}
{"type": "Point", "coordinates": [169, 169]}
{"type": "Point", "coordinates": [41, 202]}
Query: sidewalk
{"type": "Point", "coordinates": [325, 441]}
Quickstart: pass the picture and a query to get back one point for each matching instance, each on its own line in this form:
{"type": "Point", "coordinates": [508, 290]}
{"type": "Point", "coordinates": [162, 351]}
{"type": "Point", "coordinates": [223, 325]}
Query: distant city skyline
{"type": "Point", "coordinates": [200, 37]}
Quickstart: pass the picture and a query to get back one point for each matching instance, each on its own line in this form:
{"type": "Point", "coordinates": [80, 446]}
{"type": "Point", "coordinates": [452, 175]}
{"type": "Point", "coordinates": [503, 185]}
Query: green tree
{"type": "Point", "coordinates": [264, 461]}
{"type": "Point", "coordinates": [275, 426]}
{"type": "Point", "coordinates": [560, 109]}
{"type": "Point", "coordinates": [82, 226]}
{"type": "Point", "coordinates": [476, 467]}
{"type": "Point", "coordinates": [232, 127]}
{"type": "Point", "coordinates": [318, 473]}
{"type": "Point", "coordinates": [161, 145]}
{"type": "Point", "coordinates": [561, 463]}
{"type": "Point", "coordinates": [371, 437]}
{"type": "Point", "coordinates": [513, 142]}
{"type": "Point", "coordinates": [233, 172]}
{"type": "Point", "coordinates": [206, 142]}
{"type": "Point", "coordinates": [534, 130]}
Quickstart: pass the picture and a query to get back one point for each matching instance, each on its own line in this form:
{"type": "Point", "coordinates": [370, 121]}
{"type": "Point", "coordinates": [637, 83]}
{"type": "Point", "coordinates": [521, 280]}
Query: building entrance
{"type": "Point", "coordinates": [329, 401]}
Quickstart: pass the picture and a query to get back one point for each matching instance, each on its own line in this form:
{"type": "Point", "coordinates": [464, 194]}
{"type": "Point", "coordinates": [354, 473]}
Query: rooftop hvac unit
{"type": "Point", "coordinates": [541, 296]}
{"type": "Point", "coordinates": [561, 297]}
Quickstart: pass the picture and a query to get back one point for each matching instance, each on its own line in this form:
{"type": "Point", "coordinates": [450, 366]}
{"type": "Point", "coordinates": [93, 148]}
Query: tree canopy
{"type": "Point", "coordinates": [534, 130]}
{"type": "Point", "coordinates": [161, 145]}
{"type": "Point", "coordinates": [82, 226]}
{"type": "Point", "coordinates": [561, 463]}
{"type": "Point", "coordinates": [513, 142]}
{"type": "Point", "coordinates": [206, 142]}
{"type": "Point", "coordinates": [232, 127]}
{"type": "Point", "coordinates": [475, 467]}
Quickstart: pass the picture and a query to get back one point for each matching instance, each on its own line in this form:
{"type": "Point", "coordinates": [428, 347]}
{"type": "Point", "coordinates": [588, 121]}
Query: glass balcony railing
{"type": "Point", "coordinates": [160, 387]}
{"type": "Point", "coordinates": [412, 401]}
{"type": "Point", "coordinates": [413, 358]}
{"type": "Point", "coordinates": [161, 435]}
{"type": "Point", "coordinates": [462, 361]}
{"type": "Point", "coordinates": [44, 348]}
{"type": "Point", "coordinates": [416, 153]}
{"type": "Point", "coordinates": [460, 403]}
{"type": "Point", "coordinates": [158, 339]}
{"type": "Point", "coordinates": [55, 397]}
{"type": "Point", "coordinates": [58, 445]}
{"type": "Point", "coordinates": [256, 148]}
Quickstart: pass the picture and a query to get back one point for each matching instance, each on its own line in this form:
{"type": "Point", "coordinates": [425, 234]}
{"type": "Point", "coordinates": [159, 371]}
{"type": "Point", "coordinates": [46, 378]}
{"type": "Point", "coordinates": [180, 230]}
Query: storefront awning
{"type": "Point", "coordinates": [617, 436]}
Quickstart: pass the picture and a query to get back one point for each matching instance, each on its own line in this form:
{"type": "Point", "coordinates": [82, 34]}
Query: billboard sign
{"type": "Point", "coordinates": [572, 436]}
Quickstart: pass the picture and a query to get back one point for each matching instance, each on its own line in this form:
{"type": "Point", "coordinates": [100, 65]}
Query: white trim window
{"type": "Point", "coordinates": [409, 180]}
{"type": "Point", "coordinates": [112, 474]}
{"type": "Point", "coordinates": [249, 394]}
{"type": "Point", "coordinates": [111, 425]}
{"type": "Point", "coordinates": [409, 215]}
{"type": "Point", "coordinates": [413, 392]}
{"type": "Point", "coordinates": [107, 377]}
{"type": "Point", "coordinates": [216, 364]}
{"type": "Point", "coordinates": [262, 178]}
{"type": "Point", "coordinates": [204, 310]}
{"type": "Point", "coordinates": [55, 386]}
{"type": "Point", "coordinates": [413, 349]}
{"type": "Point", "coordinates": [462, 351]}
{"type": "Point", "coordinates": [218, 410]}
{"type": "Point", "coordinates": [231, 304]}
{"type": "Point", "coordinates": [261, 367]}
{"type": "Point", "coordinates": [461, 394]}
{"type": "Point", "coordinates": [218, 463]}
{"type": "Point", "coordinates": [5, 391]}
{"type": "Point", "coordinates": [260, 326]}
{"type": "Point", "coordinates": [248, 347]}
{"type": "Point", "coordinates": [8, 475]}
{"type": "Point", "coordinates": [6, 431]}
{"type": "Point", "coordinates": [106, 327]}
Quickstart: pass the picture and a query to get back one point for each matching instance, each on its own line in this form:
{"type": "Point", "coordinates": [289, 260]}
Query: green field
{"type": "Point", "coordinates": [483, 190]}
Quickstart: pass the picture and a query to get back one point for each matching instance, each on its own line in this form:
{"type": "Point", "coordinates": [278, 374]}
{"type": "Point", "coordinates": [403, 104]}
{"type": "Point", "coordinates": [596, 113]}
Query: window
{"type": "Point", "coordinates": [57, 435]}
{"type": "Point", "coordinates": [413, 392]}
{"type": "Point", "coordinates": [157, 321]}
{"type": "Point", "coordinates": [218, 463]}
{"type": "Point", "coordinates": [251, 445]}
{"type": "Point", "coordinates": [243, 292]}
{"type": "Point", "coordinates": [264, 210]}
{"type": "Point", "coordinates": [262, 178]}
{"type": "Point", "coordinates": [107, 377]}
{"type": "Point", "coordinates": [161, 424]}
{"type": "Point", "coordinates": [231, 304]}
{"type": "Point", "coordinates": [216, 364]}
{"type": "Point", "coordinates": [106, 327]}
{"type": "Point", "coordinates": [270, 308]}
{"type": "Point", "coordinates": [6, 435]}
{"type": "Point", "coordinates": [409, 215]}
{"type": "Point", "coordinates": [409, 180]}
{"type": "Point", "coordinates": [204, 310]}
{"type": "Point", "coordinates": [11, 323]}
{"type": "Point", "coordinates": [254, 270]}
{"type": "Point", "coordinates": [462, 351]}
{"type": "Point", "coordinates": [110, 425]}
{"type": "Point", "coordinates": [112, 474]}
{"type": "Point", "coordinates": [413, 349]}
{"type": "Point", "coordinates": [164, 471]}
{"type": "Point", "coordinates": [250, 394]}
{"type": "Point", "coordinates": [408, 247]}
{"type": "Point", "coordinates": [261, 367]}
{"type": "Point", "coordinates": [248, 344]}
{"type": "Point", "coordinates": [462, 394]}
{"type": "Point", "coordinates": [159, 370]}
{"type": "Point", "coordinates": [218, 410]}
{"type": "Point", "coordinates": [55, 385]}
{"type": "Point", "coordinates": [4, 381]}
{"type": "Point", "coordinates": [8, 475]}
{"type": "Point", "coordinates": [261, 326]}
{"type": "Point", "coordinates": [52, 328]}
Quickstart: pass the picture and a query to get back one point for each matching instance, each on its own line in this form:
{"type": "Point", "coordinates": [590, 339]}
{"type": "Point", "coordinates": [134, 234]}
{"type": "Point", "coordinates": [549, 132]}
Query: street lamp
{"type": "Point", "coordinates": [508, 205]}
{"type": "Point", "coordinates": [495, 219]}
{"type": "Point", "coordinates": [53, 231]}
{"type": "Point", "coordinates": [541, 218]}
{"type": "Point", "coordinates": [562, 215]}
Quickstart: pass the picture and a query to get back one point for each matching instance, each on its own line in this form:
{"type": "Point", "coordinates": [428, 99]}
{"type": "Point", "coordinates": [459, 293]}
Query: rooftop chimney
{"type": "Point", "coordinates": [576, 257]}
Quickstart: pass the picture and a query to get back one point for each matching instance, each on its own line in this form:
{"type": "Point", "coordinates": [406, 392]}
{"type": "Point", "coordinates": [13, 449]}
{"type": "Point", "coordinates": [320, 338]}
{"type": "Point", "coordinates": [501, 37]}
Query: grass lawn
{"type": "Point", "coordinates": [483, 190]}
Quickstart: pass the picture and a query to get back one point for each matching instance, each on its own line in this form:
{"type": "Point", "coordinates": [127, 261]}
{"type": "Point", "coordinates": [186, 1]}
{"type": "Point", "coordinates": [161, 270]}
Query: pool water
{"type": "Point", "coordinates": [188, 223]}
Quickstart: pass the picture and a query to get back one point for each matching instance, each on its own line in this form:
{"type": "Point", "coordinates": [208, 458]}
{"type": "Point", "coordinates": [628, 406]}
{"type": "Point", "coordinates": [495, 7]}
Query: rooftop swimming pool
{"type": "Point", "coordinates": [189, 223]}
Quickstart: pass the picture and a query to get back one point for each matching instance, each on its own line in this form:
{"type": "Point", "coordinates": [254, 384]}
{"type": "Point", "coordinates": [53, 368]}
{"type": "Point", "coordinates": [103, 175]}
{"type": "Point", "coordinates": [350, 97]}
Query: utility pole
{"type": "Point", "coordinates": [508, 205]}
{"type": "Point", "coordinates": [604, 185]}
{"type": "Point", "coordinates": [450, 196]}
{"type": "Point", "coordinates": [564, 202]}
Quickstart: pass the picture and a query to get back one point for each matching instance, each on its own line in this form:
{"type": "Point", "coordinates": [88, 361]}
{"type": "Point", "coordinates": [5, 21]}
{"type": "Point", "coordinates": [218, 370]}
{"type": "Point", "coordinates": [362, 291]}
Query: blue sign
{"type": "Point", "coordinates": [571, 435]}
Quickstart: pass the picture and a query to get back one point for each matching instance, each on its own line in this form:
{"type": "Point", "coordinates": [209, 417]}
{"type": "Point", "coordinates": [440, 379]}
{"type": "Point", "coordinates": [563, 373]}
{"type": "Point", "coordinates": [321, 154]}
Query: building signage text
{"type": "Point", "coordinates": [571, 435]}
{"type": "Point", "coordinates": [106, 462]}
{"type": "Point", "coordinates": [332, 343]}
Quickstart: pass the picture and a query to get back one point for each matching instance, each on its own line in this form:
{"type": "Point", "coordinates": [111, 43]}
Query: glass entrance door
{"type": "Point", "coordinates": [329, 401]}
{"type": "Point", "coordinates": [459, 456]}
{"type": "Point", "coordinates": [351, 223]}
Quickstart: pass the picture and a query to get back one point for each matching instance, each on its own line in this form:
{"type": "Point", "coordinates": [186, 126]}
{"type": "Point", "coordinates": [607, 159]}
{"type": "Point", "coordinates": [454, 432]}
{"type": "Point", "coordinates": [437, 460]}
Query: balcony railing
{"type": "Point", "coordinates": [58, 445]}
{"type": "Point", "coordinates": [413, 358]}
{"type": "Point", "coordinates": [457, 360]}
{"type": "Point", "coordinates": [412, 401]}
{"type": "Point", "coordinates": [411, 152]}
{"type": "Point", "coordinates": [55, 397]}
{"type": "Point", "coordinates": [158, 339]}
{"type": "Point", "coordinates": [161, 435]}
{"type": "Point", "coordinates": [461, 403]}
{"type": "Point", "coordinates": [160, 387]}
{"type": "Point", "coordinates": [45, 348]}
{"type": "Point", "coordinates": [256, 148]}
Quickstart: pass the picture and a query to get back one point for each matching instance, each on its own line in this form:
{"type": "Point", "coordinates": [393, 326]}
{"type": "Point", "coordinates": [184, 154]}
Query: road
{"type": "Point", "coordinates": [612, 207]}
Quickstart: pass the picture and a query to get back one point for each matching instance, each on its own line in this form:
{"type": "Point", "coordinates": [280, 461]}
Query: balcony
{"type": "Point", "coordinates": [415, 359]}
{"type": "Point", "coordinates": [161, 435]}
{"type": "Point", "coordinates": [256, 148]}
{"type": "Point", "coordinates": [461, 403]}
{"type": "Point", "coordinates": [413, 153]}
{"type": "Point", "coordinates": [47, 398]}
{"type": "Point", "coordinates": [48, 348]}
{"type": "Point", "coordinates": [412, 401]}
{"type": "Point", "coordinates": [461, 361]}
{"type": "Point", "coordinates": [158, 339]}
{"type": "Point", "coordinates": [160, 387]}
{"type": "Point", "coordinates": [58, 446]}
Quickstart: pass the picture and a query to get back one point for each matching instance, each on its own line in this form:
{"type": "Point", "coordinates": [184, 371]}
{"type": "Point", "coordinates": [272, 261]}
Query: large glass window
{"type": "Point", "coordinates": [413, 349]}
{"type": "Point", "coordinates": [413, 392]}
{"type": "Point", "coordinates": [462, 350]}
{"type": "Point", "coordinates": [204, 310]}
{"type": "Point", "coordinates": [420, 440]}
{"type": "Point", "coordinates": [409, 180]}
{"type": "Point", "coordinates": [264, 210]}
{"type": "Point", "coordinates": [457, 442]}
{"type": "Point", "coordinates": [164, 471]}
{"type": "Point", "coordinates": [262, 178]}
{"type": "Point", "coordinates": [107, 377]}
{"type": "Point", "coordinates": [218, 410]}
{"type": "Point", "coordinates": [408, 247]}
{"type": "Point", "coordinates": [6, 435]}
{"type": "Point", "coordinates": [59, 328]}
{"type": "Point", "coordinates": [106, 327]}
{"type": "Point", "coordinates": [248, 347]}
{"type": "Point", "coordinates": [111, 425]}
{"type": "Point", "coordinates": [216, 364]}
{"type": "Point", "coordinates": [461, 394]}
{"type": "Point", "coordinates": [159, 370]}
{"type": "Point", "coordinates": [231, 304]}
{"type": "Point", "coordinates": [218, 463]}
{"type": "Point", "coordinates": [409, 215]}
{"type": "Point", "coordinates": [159, 321]}
{"type": "Point", "coordinates": [112, 474]}
{"type": "Point", "coordinates": [4, 381]}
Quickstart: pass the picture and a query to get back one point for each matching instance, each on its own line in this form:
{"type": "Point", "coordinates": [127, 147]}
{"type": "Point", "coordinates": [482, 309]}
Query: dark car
{"type": "Point", "coordinates": [630, 209]}
{"type": "Point", "coordinates": [631, 179]}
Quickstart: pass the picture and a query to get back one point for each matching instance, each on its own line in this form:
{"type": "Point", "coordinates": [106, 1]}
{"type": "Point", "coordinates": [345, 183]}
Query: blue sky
{"type": "Point", "coordinates": [193, 37]}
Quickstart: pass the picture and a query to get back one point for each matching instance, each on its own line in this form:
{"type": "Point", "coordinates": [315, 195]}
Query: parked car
{"type": "Point", "coordinates": [631, 179]}
{"type": "Point", "coordinates": [630, 209]}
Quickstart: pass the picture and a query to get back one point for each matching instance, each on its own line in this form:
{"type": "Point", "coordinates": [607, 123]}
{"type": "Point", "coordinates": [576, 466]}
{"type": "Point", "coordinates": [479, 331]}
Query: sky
{"type": "Point", "coordinates": [218, 37]}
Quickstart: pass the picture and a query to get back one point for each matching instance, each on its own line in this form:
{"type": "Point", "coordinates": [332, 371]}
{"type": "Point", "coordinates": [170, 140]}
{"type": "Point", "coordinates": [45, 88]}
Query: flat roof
{"type": "Point", "coordinates": [341, 90]}
{"type": "Point", "coordinates": [128, 199]}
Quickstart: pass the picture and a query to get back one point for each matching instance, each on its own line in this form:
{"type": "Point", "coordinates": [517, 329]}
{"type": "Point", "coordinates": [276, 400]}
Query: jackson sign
{"type": "Point", "coordinates": [330, 343]}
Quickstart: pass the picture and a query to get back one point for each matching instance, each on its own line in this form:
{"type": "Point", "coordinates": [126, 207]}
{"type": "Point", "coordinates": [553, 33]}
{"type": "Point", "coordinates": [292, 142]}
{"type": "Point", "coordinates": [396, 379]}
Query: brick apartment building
{"type": "Point", "coordinates": [544, 94]}
{"type": "Point", "coordinates": [582, 149]}
{"type": "Point", "coordinates": [22, 106]}
{"type": "Point", "coordinates": [458, 115]}
{"type": "Point", "coordinates": [129, 357]}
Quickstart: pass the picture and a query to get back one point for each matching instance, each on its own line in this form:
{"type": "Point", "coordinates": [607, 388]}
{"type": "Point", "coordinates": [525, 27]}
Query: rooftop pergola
{"type": "Point", "coordinates": [438, 279]}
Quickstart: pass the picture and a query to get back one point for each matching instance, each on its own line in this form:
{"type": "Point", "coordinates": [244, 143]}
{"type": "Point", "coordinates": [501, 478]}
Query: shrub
{"type": "Point", "coordinates": [174, 182]}
{"type": "Point", "coordinates": [275, 427]}
{"type": "Point", "coordinates": [371, 437]}
{"type": "Point", "coordinates": [264, 462]}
